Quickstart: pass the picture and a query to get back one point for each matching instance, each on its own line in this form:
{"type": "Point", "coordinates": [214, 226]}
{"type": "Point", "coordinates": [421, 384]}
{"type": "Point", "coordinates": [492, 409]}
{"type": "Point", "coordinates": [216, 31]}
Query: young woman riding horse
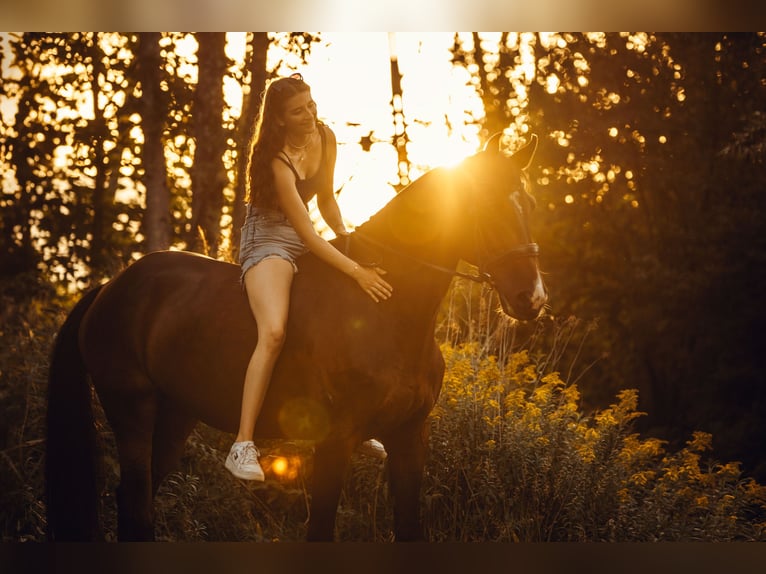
{"type": "Point", "coordinates": [292, 159]}
{"type": "Point", "coordinates": [166, 343]}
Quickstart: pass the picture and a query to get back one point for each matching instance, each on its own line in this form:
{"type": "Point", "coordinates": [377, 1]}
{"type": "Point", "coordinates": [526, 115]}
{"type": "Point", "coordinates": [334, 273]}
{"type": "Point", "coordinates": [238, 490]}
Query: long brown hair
{"type": "Point", "coordinates": [268, 139]}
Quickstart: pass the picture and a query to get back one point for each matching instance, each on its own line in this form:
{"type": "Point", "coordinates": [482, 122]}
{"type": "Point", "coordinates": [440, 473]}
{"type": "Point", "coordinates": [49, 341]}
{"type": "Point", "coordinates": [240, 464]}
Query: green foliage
{"type": "Point", "coordinates": [64, 147]}
{"type": "Point", "coordinates": [651, 219]}
{"type": "Point", "coordinates": [514, 457]}
{"type": "Point", "coordinates": [95, 133]}
{"type": "Point", "coordinates": [29, 317]}
{"type": "Point", "coordinates": [649, 184]}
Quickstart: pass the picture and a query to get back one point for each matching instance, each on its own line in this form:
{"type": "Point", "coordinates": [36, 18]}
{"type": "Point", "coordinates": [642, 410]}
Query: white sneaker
{"type": "Point", "coordinates": [373, 448]}
{"type": "Point", "coordinates": [242, 461]}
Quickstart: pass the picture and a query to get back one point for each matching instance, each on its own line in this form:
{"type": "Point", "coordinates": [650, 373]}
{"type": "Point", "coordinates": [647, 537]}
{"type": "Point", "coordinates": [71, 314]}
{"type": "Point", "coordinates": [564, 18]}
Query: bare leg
{"type": "Point", "coordinates": [268, 291]}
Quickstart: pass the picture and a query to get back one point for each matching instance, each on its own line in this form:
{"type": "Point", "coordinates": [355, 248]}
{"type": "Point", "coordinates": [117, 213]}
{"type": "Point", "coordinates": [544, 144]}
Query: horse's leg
{"type": "Point", "coordinates": [407, 449]}
{"type": "Point", "coordinates": [171, 430]}
{"type": "Point", "coordinates": [132, 414]}
{"type": "Point", "coordinates": [330, 462]}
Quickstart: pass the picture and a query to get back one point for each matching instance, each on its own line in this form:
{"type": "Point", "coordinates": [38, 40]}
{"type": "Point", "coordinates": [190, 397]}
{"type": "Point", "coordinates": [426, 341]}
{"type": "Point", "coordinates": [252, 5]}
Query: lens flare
{"type": "Point", "coordinates": [284, 468]}
{"type": "Point", "coordinates": [280, 466]}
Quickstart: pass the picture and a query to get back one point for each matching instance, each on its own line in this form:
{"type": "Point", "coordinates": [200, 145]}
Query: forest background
{"type": "Point", "coordinates": [649, 182]}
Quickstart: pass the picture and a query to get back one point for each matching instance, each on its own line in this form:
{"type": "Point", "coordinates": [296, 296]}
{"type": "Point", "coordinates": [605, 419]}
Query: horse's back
{"type": "Point", "coordinates": [163, 288]}
{"type": "Point", "coordinates": [180, 267]}
{"type": "Point", "coordinates": [178, 322]}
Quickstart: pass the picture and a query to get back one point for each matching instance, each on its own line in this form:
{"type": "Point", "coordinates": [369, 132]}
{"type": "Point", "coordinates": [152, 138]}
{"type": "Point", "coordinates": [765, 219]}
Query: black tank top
{"type": "Point", "coordinates": [309, 187]}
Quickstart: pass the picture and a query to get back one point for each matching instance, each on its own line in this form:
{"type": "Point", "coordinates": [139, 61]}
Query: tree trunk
{"type": "Point", "coordinates": [156, 223]}
{"type": "Point", "coordinates": [400, 139]}
{"type": "Point", "coordinates": [98, 251]}
{"type": "Point", "coordinates": [208, 174]}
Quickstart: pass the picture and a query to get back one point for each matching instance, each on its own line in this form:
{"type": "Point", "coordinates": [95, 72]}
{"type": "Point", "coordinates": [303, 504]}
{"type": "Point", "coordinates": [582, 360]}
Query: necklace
{"type": "Point", "coordinates": [300, 148]}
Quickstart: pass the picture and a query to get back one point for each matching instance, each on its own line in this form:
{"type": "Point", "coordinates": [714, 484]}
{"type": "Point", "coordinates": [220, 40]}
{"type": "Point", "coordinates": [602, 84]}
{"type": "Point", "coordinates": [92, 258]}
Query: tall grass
{"type": "Point", "coordinates": [514, 456]}
{"type": "Point", "coordinates": [514, 459]}
{"type": "Point", "coordinates": [29, 317]}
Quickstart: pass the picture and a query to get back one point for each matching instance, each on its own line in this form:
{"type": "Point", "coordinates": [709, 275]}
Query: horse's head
{"type": "Point", "coordinates": [499, 242]}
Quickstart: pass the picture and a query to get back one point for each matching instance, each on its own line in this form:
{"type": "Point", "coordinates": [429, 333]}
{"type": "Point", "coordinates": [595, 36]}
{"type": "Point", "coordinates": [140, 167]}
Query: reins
{"type": "Point", "coordinates": [530, 249]}
{"type": "Point", "coordinates": [527, 250]}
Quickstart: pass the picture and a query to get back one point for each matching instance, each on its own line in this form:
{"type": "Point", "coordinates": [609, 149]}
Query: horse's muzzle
{"type": "Point", "coordinates": [526, 305]}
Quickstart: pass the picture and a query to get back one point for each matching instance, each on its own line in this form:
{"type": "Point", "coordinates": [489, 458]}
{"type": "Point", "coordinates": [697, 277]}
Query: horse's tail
{"type": "Point", "coordinates": [72, 461]}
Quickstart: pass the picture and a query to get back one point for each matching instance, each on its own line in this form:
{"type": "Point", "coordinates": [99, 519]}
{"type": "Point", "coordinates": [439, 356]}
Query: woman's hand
{"type": "Point", "coordinates": [371, 280]}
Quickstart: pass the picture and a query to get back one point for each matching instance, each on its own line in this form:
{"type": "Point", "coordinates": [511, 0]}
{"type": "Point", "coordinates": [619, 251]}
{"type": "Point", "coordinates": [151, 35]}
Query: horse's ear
{"type": "Point", "coordinates": [524, 156]}
{"type": "Point", "coordinates": [493, 144]}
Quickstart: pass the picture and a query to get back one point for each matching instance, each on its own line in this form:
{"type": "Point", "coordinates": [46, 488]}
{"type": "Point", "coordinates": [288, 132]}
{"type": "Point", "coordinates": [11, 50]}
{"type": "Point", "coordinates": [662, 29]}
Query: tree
{"type": "Point", "coordinates": [154, 109]}
{"type": "Point", "coordinates": [19, 155]}
{"type": "Point", "coordinates": [492, 59]}
{"type": "Point", "coordinates": [121, 144]}
{"type": "Point", "coordinates": [647, 226]}
{"type": "Point", "coordinates": [45, 205]}
{"type": "Point", "coordinates": [208, 175]}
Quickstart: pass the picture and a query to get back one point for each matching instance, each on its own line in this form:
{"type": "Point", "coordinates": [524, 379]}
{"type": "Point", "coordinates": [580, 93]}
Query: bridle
{"type": "Point", "coordinates": [529, 249]}
{"type": "Point", "coordinates": [520, 251]}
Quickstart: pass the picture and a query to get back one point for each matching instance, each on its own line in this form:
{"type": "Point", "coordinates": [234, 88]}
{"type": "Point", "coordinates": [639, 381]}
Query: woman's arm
{"type": "Point", "coordinates": [369, 280]}
{"type": "Point", "coordinates": [326, 202]}
{"type": "Point", "coordinates": [330, 211]}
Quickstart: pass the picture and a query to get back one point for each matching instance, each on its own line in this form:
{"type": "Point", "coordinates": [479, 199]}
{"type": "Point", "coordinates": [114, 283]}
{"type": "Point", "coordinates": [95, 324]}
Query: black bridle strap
{"type": "Point", "coordinates": [528, 250]}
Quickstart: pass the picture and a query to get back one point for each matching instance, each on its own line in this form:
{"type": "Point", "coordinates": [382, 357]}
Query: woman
{"type": "Point", "coordinates": [291, 160]}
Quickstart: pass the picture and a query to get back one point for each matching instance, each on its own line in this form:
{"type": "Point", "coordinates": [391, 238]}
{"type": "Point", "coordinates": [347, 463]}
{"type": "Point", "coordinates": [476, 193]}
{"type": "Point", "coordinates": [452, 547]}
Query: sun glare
{"type": "Point", "coordinates": [350, 79]}
{"type": "Point", "coordinates": [350, 76]}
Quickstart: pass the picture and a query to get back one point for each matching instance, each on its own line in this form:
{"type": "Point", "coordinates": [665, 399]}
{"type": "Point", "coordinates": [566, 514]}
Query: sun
{"type": "Point", "coordinates": [350, 78]}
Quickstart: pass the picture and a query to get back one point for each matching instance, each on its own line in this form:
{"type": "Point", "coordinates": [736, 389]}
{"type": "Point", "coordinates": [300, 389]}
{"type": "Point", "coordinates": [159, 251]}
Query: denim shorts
{"type": "Point", "coordinates": [267, 233]}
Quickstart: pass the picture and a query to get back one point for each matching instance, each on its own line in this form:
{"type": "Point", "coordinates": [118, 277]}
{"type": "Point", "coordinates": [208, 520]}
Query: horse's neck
{"type": "Point", "coordinates": [422, 221]}
{"type": "Point", "coordinates": [416, 235]}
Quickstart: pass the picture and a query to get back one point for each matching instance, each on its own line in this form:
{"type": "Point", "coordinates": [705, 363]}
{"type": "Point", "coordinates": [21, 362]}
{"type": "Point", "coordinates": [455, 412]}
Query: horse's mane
{"type": "Point", "coordinates": [417, 191]}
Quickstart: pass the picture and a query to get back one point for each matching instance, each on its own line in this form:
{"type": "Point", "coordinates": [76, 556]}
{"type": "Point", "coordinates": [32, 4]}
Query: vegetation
{"type": "Point", "coordinates": [513, 458]}
{"type": "Point", "coordinates": [651, 211]}
{"type": "Point", "coordinates": [649, 182]}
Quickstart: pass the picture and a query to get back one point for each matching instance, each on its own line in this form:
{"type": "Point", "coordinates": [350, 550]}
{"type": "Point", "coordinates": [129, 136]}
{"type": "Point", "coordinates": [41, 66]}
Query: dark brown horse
{"type": "Point", "coordinates": [166, 343]}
